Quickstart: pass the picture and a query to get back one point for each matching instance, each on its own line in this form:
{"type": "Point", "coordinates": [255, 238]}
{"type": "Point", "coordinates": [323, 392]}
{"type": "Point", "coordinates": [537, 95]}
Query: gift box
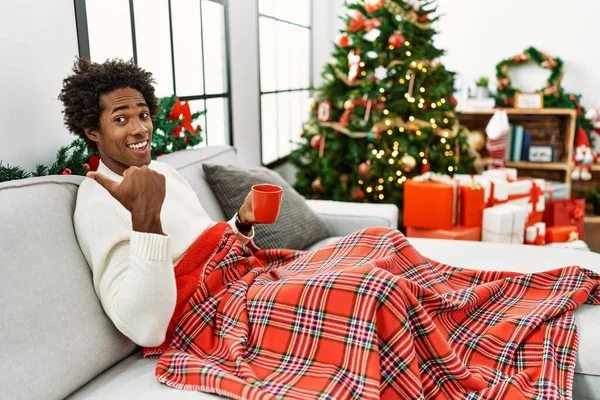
{"type": "Point", "coordinates": [566, 212]}
{"type": "Point", "coordinates": [504, 223]}
{"type": "Point", "coordinates": [561, 234]}
{"type": "Point", "coordinates": [529, 194]}
{"type": "Point", "coordinates": [554, 190]}
{"type": "Point", "coordinates": [430, 201]}
{"type": "Point", "coordinates": [472, 203]}
{"type": "Point", "coordinates": [495, 190]}
{"type": "Point", "coordinates": [507, 174]}
{"type": "Point", "coordinates": [536, 234]}
{"type": "Point", "coordinates": [456, 233]}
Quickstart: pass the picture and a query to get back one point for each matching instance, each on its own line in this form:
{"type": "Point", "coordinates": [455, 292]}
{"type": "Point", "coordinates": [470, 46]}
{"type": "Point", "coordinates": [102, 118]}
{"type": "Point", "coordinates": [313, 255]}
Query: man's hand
{"type": "Point", "coordinates": [142, 192]}
{"type": "Point", "coordinates": [247, 211]}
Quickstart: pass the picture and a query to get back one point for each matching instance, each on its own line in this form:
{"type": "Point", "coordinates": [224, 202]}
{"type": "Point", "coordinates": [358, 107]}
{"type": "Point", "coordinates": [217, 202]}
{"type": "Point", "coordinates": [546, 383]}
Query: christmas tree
{"type": "Point", "coordinates": [385, 112]}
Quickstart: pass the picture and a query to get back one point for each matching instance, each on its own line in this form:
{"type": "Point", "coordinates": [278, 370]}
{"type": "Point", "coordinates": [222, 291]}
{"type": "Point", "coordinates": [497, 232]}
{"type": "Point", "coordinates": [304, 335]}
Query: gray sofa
{"type": "Point", "coordinates": [58, 343]}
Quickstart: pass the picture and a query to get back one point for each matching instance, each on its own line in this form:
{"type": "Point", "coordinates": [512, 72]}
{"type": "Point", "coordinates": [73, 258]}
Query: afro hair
{"type": "Point", "coordinates": [82, 90]}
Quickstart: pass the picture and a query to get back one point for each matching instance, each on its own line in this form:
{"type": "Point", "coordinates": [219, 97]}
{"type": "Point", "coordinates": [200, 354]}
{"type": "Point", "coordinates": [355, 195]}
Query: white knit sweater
{"type": "Point", "coordinates": [133, 272]}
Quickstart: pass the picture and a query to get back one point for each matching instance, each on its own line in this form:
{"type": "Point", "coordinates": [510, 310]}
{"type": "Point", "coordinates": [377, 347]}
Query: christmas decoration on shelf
{"type": "Point", "coordinates": [594, 117]}
{"type": "Point", "coordinates": [386, 111]}
{"type": "Point", "coordinates": [554, 94]}
{"type": "Point", "coordinates": [582, 157]}
{"type": "Point", "coordinates": [173, 131]}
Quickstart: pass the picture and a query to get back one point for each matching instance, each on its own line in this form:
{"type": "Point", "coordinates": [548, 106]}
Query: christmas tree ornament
{"type": "Point", "coordinates": [372, 23]}
{"type": "Point", "coordinates": [344, 179]}
{"type": "Point", "coordinates": [415, 4]}
{"type": "Point", "coordinates": [66, 171]}
{"type": "Point", "coordinates": [324, 111]}
{"type": "Point", "coordinates": [381, 73]}
{"type": "Point", "coordinates": [315, 142]}
{"type": "Point", "coordinates": [476, 140]}
{"type": "Point", "coordinates": [363, 169]}
{"type": "Point", "coordinates": [582, 157]}
{"type": "Point", "coordinates": [345, 118]}
{"type": "Point", "coordinates": [353, 66]}
{"type": "Point", "coordinates": [411, 83]}
{"type": "Point", "coordinates": [373, 5]}
{"type": "Point", "coordinates": [396, 39]}
{"type": "Point", "coordinates": [356, 21]}
{"type": "Point", "coordinates": [343, 40]}
{"type": "Point", "coordinates": [316, 184]}
{"type": "Point", "coordinates": [357, 194]}
{"type": "Point", "coordinates": [408, 162]}
{"type": "Point", "coordinates": [372, 55]}
{"type": "Point", "coordinates": [372, 35]}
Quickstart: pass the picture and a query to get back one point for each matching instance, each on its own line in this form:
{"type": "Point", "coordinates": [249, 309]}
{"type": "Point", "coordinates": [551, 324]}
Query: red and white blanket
{"type": "Point", "coordinates": [367, 317]}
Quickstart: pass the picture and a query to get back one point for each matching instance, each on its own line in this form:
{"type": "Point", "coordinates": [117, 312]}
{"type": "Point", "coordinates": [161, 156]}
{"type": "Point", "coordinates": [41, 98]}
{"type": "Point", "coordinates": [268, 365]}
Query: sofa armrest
{"type": "Point", "coordinates": [346, 217]}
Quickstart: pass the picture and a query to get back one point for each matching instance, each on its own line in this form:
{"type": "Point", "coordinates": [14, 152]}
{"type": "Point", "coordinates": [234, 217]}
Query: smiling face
{"type": "Point", "coordinates": [125, 130]}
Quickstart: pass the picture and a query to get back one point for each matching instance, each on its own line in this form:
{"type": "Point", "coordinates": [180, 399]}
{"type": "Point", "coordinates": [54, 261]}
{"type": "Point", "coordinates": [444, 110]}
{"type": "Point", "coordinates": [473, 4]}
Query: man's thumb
{"type": "Point", "coordinates": [104, 180]}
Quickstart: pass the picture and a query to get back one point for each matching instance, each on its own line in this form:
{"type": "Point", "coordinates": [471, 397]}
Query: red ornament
{"type": "Point", "coordinates": [372, 23]}
{"type": "Point", "coordinates": [315, 142]}
{"type": "Point", "coordinates": [426, 166]}
{"type": "Point", "coordinates": [344, 179]}
{"type": "Point", "coordinates": [94, 161]}
{"type": "Point", "coordinates": [316, 184]}
{"type": "Point", "coordinates": [452, 101]}
{"type": "Point", "coordinates": [357, 194]}
{"type": "Point", "coordinates": [373, 5]}
{"type": "Point", "coordinates": [356, 22]}
{"type": "Point", "coordinates": [363, 169]}
{"type": "Point", "coordinates": [199, 128]}
{"type": "Point", "coordinates": [86, 166]}
{"type": "Point", "coordinates": [396, 39]}
{"type": "Point", "coordinates": [66, 171]}
{"type": "Point", "coordinates": [185, 139]}
{"type": "Point", "coordinates": [343, 40]}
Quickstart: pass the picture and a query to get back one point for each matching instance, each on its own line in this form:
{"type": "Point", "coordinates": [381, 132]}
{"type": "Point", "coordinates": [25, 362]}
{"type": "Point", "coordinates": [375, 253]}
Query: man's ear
{"type": "Point", "coordinates": [92, 134]}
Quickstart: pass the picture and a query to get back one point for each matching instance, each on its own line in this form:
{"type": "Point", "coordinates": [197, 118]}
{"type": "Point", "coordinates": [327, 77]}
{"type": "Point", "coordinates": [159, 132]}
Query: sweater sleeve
{"type": "Point", "coordinates": [133, 273]}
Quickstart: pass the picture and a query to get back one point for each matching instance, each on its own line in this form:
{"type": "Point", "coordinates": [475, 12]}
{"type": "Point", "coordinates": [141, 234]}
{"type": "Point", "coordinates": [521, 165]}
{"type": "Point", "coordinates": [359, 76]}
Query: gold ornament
{"type": "Point", "coordinates": [476, 140]}
{"type": "Point", "coordinates": [408, 162]}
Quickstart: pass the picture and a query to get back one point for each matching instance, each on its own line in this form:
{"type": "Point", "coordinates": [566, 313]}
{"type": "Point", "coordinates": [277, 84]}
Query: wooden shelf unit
{"type": "Point", "coordinates": [559, 170]}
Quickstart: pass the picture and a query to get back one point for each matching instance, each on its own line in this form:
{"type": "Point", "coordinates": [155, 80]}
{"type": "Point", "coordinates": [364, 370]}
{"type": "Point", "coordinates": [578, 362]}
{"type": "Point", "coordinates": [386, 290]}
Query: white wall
{"type": "Point", "coordinates": [478, 34]}
{"type": "Point", "coordinates": [38, 44]}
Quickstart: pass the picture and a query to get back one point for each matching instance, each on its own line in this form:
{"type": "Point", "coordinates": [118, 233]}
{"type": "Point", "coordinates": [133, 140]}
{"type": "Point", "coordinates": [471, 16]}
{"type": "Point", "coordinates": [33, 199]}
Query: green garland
{"type": "Point", "coordinates": [554, 94]}
{"type": "Point", "coordinates": [169, 135]}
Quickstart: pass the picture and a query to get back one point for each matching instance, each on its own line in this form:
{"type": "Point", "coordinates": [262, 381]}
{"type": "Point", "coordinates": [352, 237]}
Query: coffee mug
{"type": "Point", "coordinates": [266, 202]}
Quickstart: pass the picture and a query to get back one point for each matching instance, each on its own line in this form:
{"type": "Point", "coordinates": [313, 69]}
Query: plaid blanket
{"type": "Point", "coordinates": [368, 317]}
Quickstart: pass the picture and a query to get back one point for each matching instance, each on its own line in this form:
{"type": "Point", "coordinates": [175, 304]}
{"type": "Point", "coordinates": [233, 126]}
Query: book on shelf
{"type": "Point", "coordinates": [517, 143]}
{"type": "Point", "coordinates": [525, 146]}
{"type": "Point", "coordinates": [509, 140]}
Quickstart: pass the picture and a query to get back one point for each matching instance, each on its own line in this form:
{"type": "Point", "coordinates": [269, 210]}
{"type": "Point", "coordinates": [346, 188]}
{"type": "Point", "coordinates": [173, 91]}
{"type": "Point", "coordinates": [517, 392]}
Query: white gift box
{"type": "Point", "coordinates": [536, 233]}
{"type": "Point", "coordinates": [523, 189]}
{"type": "Point", "coordinates": [499, 187]}
{"type": "Point", "coordinates": [504, 223]}
{"type": "Point", "coordinates": [508, 174]}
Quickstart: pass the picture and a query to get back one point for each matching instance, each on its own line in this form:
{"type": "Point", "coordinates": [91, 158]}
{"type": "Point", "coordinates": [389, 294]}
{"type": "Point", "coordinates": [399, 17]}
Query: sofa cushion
{"type": "Point", "coordinates": [297, 226]}
{"type": "Point", "coordinates": [54, 333]}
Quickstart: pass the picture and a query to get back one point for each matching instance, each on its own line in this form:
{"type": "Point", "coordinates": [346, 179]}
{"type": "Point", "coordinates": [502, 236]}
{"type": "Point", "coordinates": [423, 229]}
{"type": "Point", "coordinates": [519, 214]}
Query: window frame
{"type": "Point", "coordinates": [83, 44]}
{"type": "Point", "coordinates": [282, 160]}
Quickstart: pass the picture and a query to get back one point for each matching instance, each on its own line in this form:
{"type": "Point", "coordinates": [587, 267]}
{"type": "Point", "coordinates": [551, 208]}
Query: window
{"type": "Point", "coordinates": [285, 74]}
{"type": "Point", "coordinates": [182, 42]}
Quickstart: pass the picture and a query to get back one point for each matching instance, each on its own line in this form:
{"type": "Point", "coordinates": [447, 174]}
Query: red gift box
{"type": "Point", "coordinates": [566, 212]}
{"type": "Point", "coordinates": [456, 233]}
{"type": "Point", "coordinates": [561, 234]}
{"type": "Point", "coordinates": [429, 204]}
{"type": "Point", "coordinates": [472, 203]}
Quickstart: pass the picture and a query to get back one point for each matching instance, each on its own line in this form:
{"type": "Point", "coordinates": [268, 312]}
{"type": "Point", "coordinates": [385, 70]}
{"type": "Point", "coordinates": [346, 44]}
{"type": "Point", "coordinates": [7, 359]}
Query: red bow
{"type": "Point", "coordinates": [577, 214]}
{"type": "Point", "coordinates": [182, 111]}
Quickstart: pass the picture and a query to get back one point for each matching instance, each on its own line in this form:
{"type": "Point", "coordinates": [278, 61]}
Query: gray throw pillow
{"type": "Point", "coordinates": [297, 226]}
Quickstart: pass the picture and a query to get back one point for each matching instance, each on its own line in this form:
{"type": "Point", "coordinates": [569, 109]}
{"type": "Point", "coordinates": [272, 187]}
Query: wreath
{"type": "Point", "coordinates": [554, 95]}
{"type": "Point", "coordinates": [506, 91]}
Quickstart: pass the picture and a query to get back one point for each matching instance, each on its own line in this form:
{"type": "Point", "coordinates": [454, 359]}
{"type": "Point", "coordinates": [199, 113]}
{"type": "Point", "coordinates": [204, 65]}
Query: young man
{"type": "Point", "coordinates": [136, 218]}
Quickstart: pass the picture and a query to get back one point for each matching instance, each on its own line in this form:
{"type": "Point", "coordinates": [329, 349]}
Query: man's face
{"type": "Point", "coordinates": [125, 130]}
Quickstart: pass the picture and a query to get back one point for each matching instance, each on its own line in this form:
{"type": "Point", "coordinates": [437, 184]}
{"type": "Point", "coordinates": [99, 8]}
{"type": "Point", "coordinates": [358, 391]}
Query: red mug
{"type": "Point", "coordinates": [266, 202]}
